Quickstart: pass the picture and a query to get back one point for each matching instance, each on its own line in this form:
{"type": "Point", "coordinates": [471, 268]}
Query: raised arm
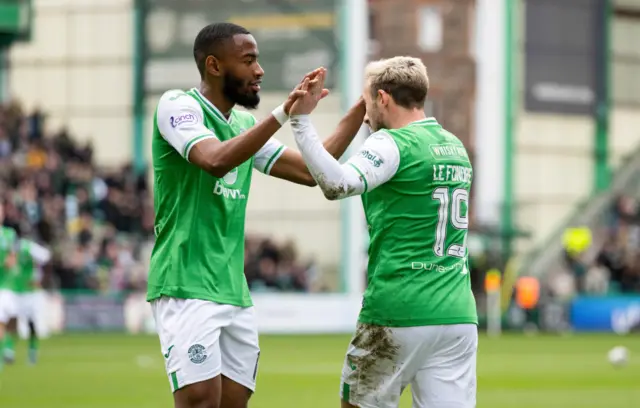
{"type": "Point", "coordinates": [375, 163]}
{"type": "Point", "coordinates": [291, 166]}
{"type": "Point", "coordinates": [218, 158]}
{"type": "Point", "coordinates": [181, 122]}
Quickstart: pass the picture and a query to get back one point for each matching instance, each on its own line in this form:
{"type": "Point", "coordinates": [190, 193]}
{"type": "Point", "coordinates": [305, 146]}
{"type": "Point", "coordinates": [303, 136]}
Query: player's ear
{"type": "Point", "coordinates": [383, 97]}
{"type": "Point", "coordinates": [213, 66]}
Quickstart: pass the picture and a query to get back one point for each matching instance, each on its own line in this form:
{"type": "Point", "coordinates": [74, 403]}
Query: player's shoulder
{"type": "Point", "coordinates": [380, 148]}
{"type": "Point", "coordinates": [175, 94]}
{"type": "Point", "coordinates": [176, 98]}
{"type": "Point", "coordinates": [10, 232]}
{"type": "Point", "coordinates": [10, 235]}
{"type": "Point", "coordinates": [380, 135]}
{"type": "Point", "coordinates": [382, 139]}
{"type": "Point", "coordinates": [177, 106]}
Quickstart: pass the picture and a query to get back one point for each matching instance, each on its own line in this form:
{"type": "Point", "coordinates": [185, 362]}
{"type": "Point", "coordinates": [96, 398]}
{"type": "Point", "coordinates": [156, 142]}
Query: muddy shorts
{"type": "Point", "coordinates": [439, 362]}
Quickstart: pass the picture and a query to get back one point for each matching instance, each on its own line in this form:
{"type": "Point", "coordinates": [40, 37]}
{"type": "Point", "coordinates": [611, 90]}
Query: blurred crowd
{"type": "Point", "coordinates": [98, 222]}
{"type": "Point", "coordinates": [611, 264]}
{"type": "Point", "coordinates": [272, 267]}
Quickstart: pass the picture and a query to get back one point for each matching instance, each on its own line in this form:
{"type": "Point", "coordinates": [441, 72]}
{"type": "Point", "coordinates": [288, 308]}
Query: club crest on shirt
{"type": "Point", "coordinates": [231, 177]}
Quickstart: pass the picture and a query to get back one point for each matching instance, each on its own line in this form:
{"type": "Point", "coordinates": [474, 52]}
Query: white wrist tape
{"type": "Point", "coordinates": [280, 115]}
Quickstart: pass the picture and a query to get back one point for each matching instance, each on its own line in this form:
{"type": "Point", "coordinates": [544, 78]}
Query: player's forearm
{"type": "Point", "coordinates": [347, 129]}
{"type": "Point", "coordinates": [218, 158]}
{"type": "Point", "coordinates": [293, 167]}
{"type": "Point", "coordinates": [333, 180]}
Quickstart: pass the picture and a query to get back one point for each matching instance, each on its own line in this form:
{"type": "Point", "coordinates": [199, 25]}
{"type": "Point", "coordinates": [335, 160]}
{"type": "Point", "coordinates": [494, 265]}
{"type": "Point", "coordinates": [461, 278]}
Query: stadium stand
{"type": "Point", "coordinates": [99, 222]}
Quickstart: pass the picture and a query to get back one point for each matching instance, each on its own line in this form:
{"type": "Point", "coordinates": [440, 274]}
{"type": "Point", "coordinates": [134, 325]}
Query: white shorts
{"type": "Point", "coordinates": [29, 305]}
{"type": "Point", "coordinates": [200, 340]}
{"type": "Point", "coordinates": [8, 305]}
{"type": "Point", "coordinates": [30, 309]}
{"type": "Point", "coordinates": [438, 361]}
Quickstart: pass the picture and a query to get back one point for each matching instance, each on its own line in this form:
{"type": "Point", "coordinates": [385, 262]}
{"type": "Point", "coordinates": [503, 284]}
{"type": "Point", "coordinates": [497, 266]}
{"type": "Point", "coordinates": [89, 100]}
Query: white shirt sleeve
{"type": "Point", "coordinates": [268, 155]}
{"type": "Point", "coordinates": [40, 254]}
{"type": "Point", "coordinates": [376, 162]}
{"type": "Point", "coordinates": [181, 121]}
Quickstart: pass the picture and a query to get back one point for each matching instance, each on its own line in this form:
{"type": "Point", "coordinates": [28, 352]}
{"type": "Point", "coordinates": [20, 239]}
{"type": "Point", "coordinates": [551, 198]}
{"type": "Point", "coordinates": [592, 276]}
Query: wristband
{"type": "Point", "coordinates": [280, 115]}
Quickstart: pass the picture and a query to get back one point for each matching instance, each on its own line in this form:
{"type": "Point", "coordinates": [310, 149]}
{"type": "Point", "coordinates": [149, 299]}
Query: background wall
{"type": "Point", "coordinates": [554, 154]}
{"type": "Point", "coordinates": [78, 68]}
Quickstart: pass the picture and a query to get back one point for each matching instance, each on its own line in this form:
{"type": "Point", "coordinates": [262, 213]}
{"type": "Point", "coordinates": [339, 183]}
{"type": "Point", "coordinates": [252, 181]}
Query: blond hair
{"type": "Point", "coordinates": [404, 78]}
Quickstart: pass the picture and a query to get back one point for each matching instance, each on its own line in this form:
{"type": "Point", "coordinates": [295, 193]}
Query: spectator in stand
{"type": "Point", "coordinates": [576, 243]}
{"type": "Point", "coordinates": [98, 222]}
{"type": "Point", "coordinates": [616, 265]}
{"type": "Point", "coordinates": [270, 267]}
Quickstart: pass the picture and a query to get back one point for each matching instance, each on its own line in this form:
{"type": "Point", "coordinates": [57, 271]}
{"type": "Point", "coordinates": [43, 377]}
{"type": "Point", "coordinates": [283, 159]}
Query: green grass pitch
{"type": "Point", "coordinates": [109, 370]}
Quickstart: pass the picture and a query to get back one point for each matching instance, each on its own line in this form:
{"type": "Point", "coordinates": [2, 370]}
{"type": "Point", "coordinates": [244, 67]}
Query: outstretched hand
{"type": "Point", "coordinates": [305, 97]}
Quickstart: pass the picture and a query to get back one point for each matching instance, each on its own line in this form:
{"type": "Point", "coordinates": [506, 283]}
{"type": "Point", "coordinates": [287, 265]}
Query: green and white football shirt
{"type": "Point", "coordinates": [199, 225]}
{"type": "Point", "coordinates": [415, 184]}
{"type": "Point", "coordinates": [31, 257]}
{"type": "Point", "coordinates": [8, 240]}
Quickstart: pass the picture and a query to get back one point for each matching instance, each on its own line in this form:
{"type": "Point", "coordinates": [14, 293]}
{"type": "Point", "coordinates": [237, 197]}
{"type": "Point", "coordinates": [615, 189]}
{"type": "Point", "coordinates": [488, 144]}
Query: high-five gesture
{"type": "Point", "coordinates": [313, 91]}
{"type": "Point", "coordinates": [309, 83]}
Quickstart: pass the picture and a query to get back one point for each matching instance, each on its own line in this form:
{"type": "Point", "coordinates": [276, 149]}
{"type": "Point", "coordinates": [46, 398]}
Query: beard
{"type": "Point", "coordinates": [232, 90]}
{"type": "Point", "coordinates": [376, 121]}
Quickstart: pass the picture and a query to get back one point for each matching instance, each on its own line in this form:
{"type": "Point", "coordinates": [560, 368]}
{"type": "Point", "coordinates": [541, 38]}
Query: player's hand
{"type": "Point", "coordinates": [316, 85]}
{"type": "Point", "coordinates": [314, 91]}
{"type": "Point", "coordinates": [314, 81]}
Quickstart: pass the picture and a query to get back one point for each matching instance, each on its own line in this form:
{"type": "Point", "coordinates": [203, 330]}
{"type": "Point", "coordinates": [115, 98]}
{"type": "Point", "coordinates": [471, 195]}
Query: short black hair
{"type": "Point", "coordinates": [210, 37]}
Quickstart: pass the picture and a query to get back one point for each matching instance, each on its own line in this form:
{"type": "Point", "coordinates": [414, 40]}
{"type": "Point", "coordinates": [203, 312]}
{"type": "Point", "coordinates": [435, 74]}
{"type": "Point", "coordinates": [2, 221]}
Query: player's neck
{"type": "Point", "coordinates": [217, 98]}
{"type": "Point", "coordinates": [405, 117]}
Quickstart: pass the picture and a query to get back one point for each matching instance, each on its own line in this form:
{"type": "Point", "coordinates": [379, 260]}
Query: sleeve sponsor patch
{"type": "Point", "coordinates": [187, 118]}
{"type": "Point", "coordinates": [373, 158]}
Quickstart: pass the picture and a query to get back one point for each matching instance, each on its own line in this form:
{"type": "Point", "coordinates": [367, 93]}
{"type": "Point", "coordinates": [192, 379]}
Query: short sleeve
{"type": "Point", "coordinates": [377, 160]}
{"type": "Point", "coordinates": [180, 121]}
{"type": "Point", "coordinates": [268, 155]}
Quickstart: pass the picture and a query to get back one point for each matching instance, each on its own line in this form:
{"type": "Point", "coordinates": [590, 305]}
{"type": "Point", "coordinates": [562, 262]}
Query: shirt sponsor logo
{"type": "Point", "coordinates": [232, 193]}
{"type": "Point", "coordinates": [222, 185]}
{"type": "Point", "coordinates": [449, 151]}
{"type": "Point", "coordinates": [428, 266]}
{"type": "Point", "coordinates": [375, 160]}
{"type": "Point", "coordinates": [183, 119]}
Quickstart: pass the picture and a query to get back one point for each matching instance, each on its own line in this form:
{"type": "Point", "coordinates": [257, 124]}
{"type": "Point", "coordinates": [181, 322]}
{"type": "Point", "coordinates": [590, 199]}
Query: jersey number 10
{"type": "Point", "coordinates": [456, 217]}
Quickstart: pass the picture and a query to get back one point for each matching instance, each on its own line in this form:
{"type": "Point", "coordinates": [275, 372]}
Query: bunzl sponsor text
{"type": "Point", "coordinates": [183, 119]}
{"type": "Point", "coordinates": [620, 314]}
